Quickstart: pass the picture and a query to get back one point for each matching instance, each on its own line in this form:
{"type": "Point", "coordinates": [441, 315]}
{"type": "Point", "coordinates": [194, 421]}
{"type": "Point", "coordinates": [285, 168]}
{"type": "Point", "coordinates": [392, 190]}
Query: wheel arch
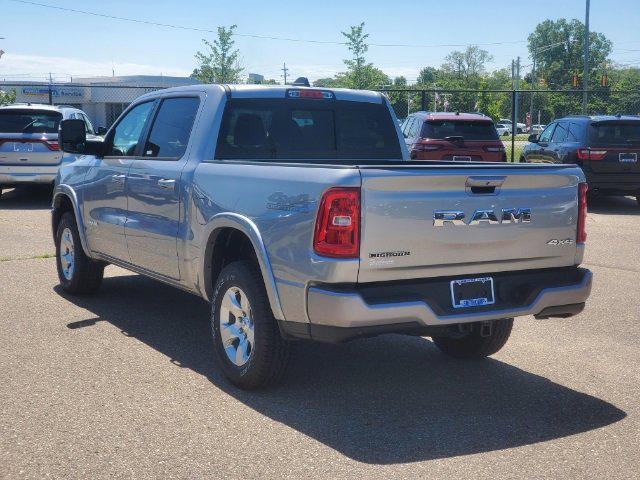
{"type": "Point", "coordinates": [241, 229]}
{"type": "Point", "coordinates": [64, 200]}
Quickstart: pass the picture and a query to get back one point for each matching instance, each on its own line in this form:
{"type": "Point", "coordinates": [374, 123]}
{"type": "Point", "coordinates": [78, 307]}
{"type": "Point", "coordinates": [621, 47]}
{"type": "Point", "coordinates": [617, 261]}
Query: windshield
{"type": "Point", "coordinates": [469, 130]}
{"type": "Point", "coordinates": [307, 129]}
{"type": "Point", "coordinates": [29, 121]}
{"type": "Point", "coordinates": [615, 133]}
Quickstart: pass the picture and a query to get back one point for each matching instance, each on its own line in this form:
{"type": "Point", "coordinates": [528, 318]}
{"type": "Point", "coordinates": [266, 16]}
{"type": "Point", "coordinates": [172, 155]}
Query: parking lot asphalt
{"type": "Point", "coordinates": [123, 384]}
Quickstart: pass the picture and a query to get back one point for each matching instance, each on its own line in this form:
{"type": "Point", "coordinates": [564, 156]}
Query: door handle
{"type": "Point", "coordinates": [118, 178]}
{"type": "Point", "coordinates": [167, 183]}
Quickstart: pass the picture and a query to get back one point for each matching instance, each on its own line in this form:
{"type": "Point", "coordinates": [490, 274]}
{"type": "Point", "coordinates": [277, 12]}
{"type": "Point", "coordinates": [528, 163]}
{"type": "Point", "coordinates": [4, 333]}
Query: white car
{"type": "Point", "coordinates": [503, 130]}
{"type": "Point", "coordinates": [537, 128]}
{"type": "Point", "coordinates": [521, 127]}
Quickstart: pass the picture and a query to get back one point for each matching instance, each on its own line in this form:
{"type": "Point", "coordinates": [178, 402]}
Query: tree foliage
{"type": "Point", "coordinates": [7, 97]}
{"type": "Point", "coordinates": [220, 64]}
{"type": "Point", "coordinates": [558, 48]}
{"type": "Point", "coordinates": [467, 64]}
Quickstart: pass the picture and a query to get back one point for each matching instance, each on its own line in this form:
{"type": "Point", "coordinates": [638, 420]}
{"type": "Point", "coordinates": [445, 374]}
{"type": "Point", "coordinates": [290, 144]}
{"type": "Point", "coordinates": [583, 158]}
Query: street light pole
{"type": "Point", "coordinates": [585, 72]}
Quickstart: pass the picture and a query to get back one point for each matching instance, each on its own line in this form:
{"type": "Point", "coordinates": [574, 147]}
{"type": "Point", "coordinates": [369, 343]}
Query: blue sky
{"type": "Point", "coordinates": [39, 40]}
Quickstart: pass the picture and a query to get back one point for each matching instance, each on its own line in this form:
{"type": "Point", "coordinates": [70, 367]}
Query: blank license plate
{"type": "Point", "coordinates": [22, 147]}
{"type": "Point", "coordinates": [630, 157]}
{"type": "Point", "coordinates": [472, 292]}
{"type": "Point", "coordinates": [461, 158]}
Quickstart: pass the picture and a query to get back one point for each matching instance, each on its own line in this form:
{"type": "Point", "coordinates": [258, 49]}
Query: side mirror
{"type": "Point", "coordinates": [533, 138]}
{"type": "Point", "coordinates": [73, 136]}
{"type": "Point", "coordinates": [73, 139]}
{"type": "Point", "coordinates": [101, 131]}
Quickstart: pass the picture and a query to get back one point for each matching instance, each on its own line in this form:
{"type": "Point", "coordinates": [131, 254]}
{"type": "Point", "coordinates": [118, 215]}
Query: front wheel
{"type": "Point", "coordinates": [77, 273]}
{"type": "Point", "coordinates": [482, 341]}
{"type": "Point", "coordinates": [246, 337]}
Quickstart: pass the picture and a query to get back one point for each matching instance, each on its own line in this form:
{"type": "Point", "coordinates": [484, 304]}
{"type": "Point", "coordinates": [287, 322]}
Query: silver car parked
{"type": "Point", "coordinates": [29, 150]}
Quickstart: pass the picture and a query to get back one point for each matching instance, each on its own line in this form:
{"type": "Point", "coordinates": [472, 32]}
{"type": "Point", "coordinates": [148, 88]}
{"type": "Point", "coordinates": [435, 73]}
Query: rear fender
{"type": "Point", "coordinates": [246, 226]}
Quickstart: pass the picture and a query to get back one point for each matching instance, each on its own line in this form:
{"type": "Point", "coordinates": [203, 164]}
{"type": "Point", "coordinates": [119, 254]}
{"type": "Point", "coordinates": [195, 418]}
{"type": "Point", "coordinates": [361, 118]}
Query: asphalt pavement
{"type": "Point", "coordinates": [124, 384]}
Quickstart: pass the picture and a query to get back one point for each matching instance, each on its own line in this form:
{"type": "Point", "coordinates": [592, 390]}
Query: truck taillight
{"type": "Point", "coordinates": [581, 235]}
{"type": "Point", "coordinates": [337, 232]}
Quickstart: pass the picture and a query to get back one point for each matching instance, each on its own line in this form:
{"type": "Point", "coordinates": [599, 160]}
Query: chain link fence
{"type": "Point", "coordinates": [529, 109]}
{"type": "Point", "coordinates": [102, 103]}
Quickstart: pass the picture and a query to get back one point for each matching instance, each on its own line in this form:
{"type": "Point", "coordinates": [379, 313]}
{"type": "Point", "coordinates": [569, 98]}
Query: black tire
{"type": "Point", "coordinates": [475, 346]}
{"type": "Point", "coordinates": [270, 352]}
{"type": "Point", "coordinates": [86, 275]}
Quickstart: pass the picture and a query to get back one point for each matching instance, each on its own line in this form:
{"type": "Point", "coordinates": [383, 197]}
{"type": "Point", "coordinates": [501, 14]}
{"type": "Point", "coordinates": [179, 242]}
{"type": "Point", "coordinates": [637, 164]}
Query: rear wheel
{"type": "Point", "coordinates": [482, 341]}
{"type": "Point", "coordinates": [77, 273]}
{"type": "Point", "coordinates": [246, 337]}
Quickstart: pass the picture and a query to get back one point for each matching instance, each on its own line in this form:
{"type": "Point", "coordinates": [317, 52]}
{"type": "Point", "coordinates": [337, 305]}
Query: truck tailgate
{"type": "Point", "coordinates": [400, 239]}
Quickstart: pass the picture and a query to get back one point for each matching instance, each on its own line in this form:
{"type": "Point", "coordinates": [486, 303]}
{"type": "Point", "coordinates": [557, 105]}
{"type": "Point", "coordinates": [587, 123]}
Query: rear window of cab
{"type": "Point", "coordinates": [299, 129]}
{"type": "Point", "coordinates": [615, 133]}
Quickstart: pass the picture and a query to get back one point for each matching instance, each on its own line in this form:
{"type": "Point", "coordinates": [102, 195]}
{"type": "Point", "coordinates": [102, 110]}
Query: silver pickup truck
{"type": "Point", "coordinates": [297, 214]}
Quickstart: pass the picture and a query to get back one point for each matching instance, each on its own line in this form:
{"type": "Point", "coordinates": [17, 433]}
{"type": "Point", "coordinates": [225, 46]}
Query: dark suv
{"type": "Point", "coordinates": [463, 137]}
{"type": "Point", "coordinates": [606, 147]}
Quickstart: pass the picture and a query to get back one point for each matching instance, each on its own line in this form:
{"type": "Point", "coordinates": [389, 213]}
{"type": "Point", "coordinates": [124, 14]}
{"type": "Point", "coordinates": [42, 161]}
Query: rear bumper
{"type": "Point", "coordinates": [613, 183]}
{"type": "Point", "coordinates": [337, 314]}
{"type": "Point", "coordinates": [19, 174]}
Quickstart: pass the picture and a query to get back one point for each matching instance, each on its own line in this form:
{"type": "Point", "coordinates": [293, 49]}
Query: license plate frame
{"type": "Point", "coordinates": [461, 158]}
{"type": "Point", "coordinates": [628, 157]}
{"type": "Point", "coordinates": [480, 289]}
{"type": "Point", "coordinates": [22, 147]}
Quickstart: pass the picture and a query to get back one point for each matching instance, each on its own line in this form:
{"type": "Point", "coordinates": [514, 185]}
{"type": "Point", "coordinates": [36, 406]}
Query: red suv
{"type": "Point", "coordinates": [463, 137]}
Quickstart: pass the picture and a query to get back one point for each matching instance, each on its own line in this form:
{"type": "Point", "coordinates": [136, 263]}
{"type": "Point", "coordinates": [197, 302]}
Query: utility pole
{"type": "Point", "coordinates": [50, 92]}
{"type": "Point", "coordinates": [533, 87]}
{"type": "Point", "coordinates": [585, 71]}
{"type": "Point", "coordinates": [515, 124]}
{"type": "Point", "coordinates": [284, 70]}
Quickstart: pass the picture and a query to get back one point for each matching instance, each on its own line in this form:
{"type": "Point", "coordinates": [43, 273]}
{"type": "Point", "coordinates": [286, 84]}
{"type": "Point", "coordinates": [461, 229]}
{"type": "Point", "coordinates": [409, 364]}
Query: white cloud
{"type": "Point", "coordinates": [36, 67]}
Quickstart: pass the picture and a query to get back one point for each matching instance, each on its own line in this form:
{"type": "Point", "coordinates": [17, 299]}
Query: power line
{"type": "Point", "coordinates": [252, 35]}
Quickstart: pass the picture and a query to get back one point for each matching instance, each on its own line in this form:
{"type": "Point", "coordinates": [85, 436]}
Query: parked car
{"type": "Point", "coordinates": [606, 147]}
{"type": "Point", "coordinates": [297, 213]}
{"type": "Point", "coordinates": [29, 150]}
{"type": "Point", "coordinates": [537, 128]}
{"type": "Point", "coordinates": [521, 127]}
{"type": "Point", "coordinates": [462, 137]}
{"type": "Point", "coordinates": [503, 130]}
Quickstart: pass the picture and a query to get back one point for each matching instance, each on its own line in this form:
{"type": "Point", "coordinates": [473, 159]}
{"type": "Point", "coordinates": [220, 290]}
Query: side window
{"type": "Point", "coordinates": [573, 134]}
{"type": "Point", "coordinates": [545, 136]}
{"type": "Point", "coordinates": [407, 126]}
{"type": "Point", "coordinates": [126, 135]}
{"type": "Point", "coordinates": [415, 127]}
{"type": "Point", "coordinates": [171, 128]}
{"type": "Point", "coordinates": [560, 133]}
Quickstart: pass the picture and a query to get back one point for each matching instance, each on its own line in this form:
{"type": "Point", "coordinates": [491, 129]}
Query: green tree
{"type": "Point", "coordinates": [7, 97]}
{"type": "Point", "coordinates": [359, 72]}
{"type": "Point", "coordinates": [467, 64]}
{"type": "Point", "coordinates": [427, 76]}
{"type": "Point", "coordinates": [558, 48]}
{"type": "Point", "coordinates": [220, 64]}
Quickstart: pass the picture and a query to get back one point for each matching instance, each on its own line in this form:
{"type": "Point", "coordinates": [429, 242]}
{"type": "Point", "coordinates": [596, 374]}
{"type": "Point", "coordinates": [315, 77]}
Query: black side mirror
{"type": "Point", "coordinates": [533, 138]}
{"type": "Point", "coordinates": [73, 136]}
{"type": "Point", "coordinates": [101, 130]}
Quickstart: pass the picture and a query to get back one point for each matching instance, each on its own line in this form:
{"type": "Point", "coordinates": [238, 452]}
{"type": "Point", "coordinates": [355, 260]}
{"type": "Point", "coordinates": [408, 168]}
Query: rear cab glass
{"type": "Point", "coordinates": [299, 129]}
{"type": "Point", "coordinates": [468, 129]}
{"type": "Point", "coordinates": [622, 133]}
{"type": "Point", "coordinates": [29, 121]}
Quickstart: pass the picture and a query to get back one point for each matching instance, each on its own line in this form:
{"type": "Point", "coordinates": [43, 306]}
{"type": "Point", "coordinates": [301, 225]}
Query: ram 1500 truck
{"type": "Point", "coordinates": [297, 214]}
